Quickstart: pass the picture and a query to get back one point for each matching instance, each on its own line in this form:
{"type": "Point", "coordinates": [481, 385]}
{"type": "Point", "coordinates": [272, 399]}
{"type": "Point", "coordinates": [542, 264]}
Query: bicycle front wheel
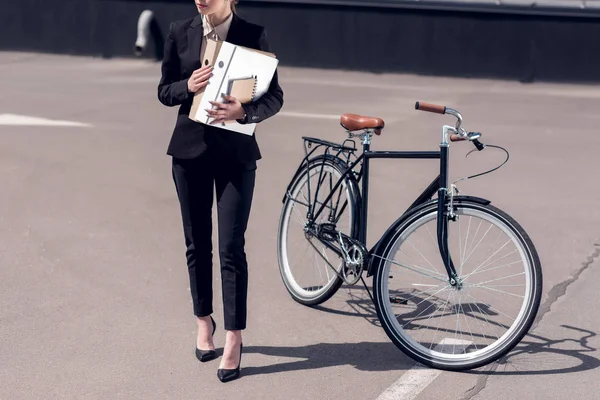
{"type": "Point", "coordinates": [471, 324]}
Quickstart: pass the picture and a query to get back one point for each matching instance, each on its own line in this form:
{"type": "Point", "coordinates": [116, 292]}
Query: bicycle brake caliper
{"type": "Point", "coordinates": [450, 210]}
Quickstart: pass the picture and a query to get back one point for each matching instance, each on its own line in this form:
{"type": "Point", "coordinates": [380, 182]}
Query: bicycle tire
{"type": "Point", "coordinates": [339, 166]}
{"type": "Point", "coordinates": [504, 344]}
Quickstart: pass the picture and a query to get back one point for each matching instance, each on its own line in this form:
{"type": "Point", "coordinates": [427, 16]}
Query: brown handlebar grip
{"type": "Point", "coordinates": [434, 108]}
{"type": "Point", "coordinates": [455, 138]}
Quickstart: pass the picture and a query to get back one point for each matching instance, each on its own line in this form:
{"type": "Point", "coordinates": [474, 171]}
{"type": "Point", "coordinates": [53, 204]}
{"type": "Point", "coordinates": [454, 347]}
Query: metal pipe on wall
{"type": "Point", "coordinates": [143, 36]}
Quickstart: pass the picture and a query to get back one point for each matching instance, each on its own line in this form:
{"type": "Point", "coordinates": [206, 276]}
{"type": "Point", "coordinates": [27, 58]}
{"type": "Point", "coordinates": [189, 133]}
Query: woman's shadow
{"type": "Point", "coordinates": [364, 356]}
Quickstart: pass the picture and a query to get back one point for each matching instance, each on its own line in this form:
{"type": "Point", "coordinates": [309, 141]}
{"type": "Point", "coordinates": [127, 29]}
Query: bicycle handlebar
{"type": "Point", "coordinates": [439, 109]}
{"type": "Point", "coordinates": [455, 138]}
{"type": "Point", "coordinates": [459, 134]}
{"type": "Point", "coordinates": [434, 108]}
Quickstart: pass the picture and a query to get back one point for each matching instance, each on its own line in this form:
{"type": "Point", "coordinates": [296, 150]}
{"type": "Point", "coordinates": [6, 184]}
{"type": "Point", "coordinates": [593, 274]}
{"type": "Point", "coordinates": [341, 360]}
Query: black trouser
{"type": "Point", "coordinates": [195, 181]}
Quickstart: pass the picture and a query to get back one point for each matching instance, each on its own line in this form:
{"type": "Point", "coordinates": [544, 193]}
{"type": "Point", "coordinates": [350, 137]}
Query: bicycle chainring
{"type": "Point", "coordinates": [355, 256]}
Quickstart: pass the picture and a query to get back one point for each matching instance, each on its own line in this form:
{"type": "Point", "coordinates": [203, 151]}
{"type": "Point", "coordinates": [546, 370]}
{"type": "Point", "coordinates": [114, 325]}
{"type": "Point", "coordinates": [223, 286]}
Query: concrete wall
{"type": "Point", "coordinates": [382, 39]}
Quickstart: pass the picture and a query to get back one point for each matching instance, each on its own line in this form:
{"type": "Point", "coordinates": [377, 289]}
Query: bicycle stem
{"type": "Point", "coordinates": [458, 119]}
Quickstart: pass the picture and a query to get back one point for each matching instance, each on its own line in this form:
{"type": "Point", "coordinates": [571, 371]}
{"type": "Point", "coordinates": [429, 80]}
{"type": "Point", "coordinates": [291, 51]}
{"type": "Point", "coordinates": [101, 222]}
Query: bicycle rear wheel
{"type": "Point", "coordinates": [310, 270]}
{"type": "Point", "coordinates": [457, 328]}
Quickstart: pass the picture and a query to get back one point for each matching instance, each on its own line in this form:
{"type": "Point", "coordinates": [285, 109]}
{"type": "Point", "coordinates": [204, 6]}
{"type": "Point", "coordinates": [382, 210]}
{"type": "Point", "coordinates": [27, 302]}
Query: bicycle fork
{"type": "Point", "coordinates": [443, 213]}
{"type": "Point", "coordinates": [442, 236]}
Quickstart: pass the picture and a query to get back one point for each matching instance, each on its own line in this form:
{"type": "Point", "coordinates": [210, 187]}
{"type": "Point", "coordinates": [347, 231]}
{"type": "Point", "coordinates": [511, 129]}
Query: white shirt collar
{"type": "Point", "coordinates": [221, 30]}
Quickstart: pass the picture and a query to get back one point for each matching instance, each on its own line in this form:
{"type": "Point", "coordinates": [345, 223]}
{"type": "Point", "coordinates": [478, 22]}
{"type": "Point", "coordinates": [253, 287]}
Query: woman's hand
{"type": "Point", "coordinates": [199, 78]}
{"type": "Point", "coordinates": [229, 111]}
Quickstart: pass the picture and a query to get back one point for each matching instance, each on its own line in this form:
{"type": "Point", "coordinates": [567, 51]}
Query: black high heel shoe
{"type": "Point", "coordinates": [226, 375]}
{"type": "Point", "coordinates": [207, 355]}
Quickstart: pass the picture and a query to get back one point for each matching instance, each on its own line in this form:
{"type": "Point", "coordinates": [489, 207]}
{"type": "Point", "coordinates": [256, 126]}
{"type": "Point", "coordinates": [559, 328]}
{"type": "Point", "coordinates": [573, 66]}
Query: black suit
{"type": "Point", "coordinates": [207, 157]}
{"type": "Point", "coordinates": [181, 59]}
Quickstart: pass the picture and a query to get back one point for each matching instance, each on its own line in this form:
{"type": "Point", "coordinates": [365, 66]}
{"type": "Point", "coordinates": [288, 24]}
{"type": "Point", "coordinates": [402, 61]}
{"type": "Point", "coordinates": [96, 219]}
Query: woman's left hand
{"type": "Point", "coordinates": [229, 111]}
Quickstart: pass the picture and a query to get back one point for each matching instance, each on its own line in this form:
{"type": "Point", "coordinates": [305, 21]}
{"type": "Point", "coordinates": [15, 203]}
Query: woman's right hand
{"type": "Point", "coordinates": [199, 78]}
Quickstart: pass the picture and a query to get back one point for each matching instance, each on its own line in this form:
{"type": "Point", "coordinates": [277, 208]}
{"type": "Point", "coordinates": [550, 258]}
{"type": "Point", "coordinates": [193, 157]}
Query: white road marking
{"type": "Point", "coordinates": [410, 384]}
{"type": "Point", "coordinates": [308, 115]}
{"type": "Point", "coordinates": [25, 120]}
{"type": "Point", "coordinates": [536, 89]}
{"type": "Point", "coordinates": [413, 381]}
{"type": "Point", "coordinates": [331, 117]}
{"type": "Point", "coordinates": [131, 79]}
{"type": "Point", "coordinates": [351, 84]}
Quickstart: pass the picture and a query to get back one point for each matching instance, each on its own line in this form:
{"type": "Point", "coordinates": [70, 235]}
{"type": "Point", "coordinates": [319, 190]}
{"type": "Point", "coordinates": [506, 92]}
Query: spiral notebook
{"type": "Point", "coordinates": [243, 89]}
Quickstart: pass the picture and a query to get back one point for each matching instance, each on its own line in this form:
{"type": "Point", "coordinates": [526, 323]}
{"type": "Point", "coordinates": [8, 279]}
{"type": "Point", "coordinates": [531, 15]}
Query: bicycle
{"type": "Point", "coordinates": [438, 283]}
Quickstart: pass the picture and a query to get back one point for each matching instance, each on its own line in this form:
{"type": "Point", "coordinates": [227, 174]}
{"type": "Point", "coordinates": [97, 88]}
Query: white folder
{"type": "Point", "coordinates": [234, 63]}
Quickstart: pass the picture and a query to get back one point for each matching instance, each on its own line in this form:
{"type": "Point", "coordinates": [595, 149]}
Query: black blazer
{"type": "Point", "coordinates": [181, 58]}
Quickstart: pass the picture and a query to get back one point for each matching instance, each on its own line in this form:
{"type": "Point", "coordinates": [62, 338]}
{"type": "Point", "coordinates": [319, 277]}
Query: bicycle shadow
{"type": "Point", "coordinates": [534, 355]}
{"type": "Point", "coordinates": [360, 304]}
{"type": "Point", "coordinates": [538, 355]}
{"type": "Point", "coordinates": [528, 358]}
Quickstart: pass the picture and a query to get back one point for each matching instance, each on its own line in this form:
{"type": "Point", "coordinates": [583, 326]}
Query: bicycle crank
{"type": "Point", "coordinates": [354, 258]}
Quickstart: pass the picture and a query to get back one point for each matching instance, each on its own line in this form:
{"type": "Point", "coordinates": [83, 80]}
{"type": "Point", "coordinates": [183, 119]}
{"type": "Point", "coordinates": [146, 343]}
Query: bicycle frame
{"type": "Point", "coordinates": [439, 185]}
{"type": "Point", "coordinates": [366, 157]}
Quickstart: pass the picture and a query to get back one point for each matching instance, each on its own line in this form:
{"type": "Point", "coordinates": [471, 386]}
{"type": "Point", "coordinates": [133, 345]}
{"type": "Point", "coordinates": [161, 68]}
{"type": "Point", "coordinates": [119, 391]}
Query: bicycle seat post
{"type": "Point", "coordinates": [365, 136]}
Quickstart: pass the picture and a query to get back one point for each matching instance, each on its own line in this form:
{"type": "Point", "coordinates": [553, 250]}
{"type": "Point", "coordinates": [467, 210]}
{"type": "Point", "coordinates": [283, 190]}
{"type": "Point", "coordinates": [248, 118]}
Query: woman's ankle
{"type": "Point", "coordinates": [205, 329]}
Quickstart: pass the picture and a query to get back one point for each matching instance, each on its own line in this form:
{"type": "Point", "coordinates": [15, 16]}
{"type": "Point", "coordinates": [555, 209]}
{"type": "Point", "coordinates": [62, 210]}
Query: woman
{"type": "Point", "coordinates": [206, 157]}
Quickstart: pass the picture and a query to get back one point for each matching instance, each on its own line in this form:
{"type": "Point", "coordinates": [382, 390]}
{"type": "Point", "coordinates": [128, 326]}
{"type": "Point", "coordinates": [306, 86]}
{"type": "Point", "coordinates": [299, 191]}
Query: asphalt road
{"type": "Point", "coordinates": [93, 284]}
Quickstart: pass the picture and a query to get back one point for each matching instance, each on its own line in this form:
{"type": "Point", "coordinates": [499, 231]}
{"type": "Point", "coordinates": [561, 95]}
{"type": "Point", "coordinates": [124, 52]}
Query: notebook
{"type": "Point", "coordinates": [243, 89]}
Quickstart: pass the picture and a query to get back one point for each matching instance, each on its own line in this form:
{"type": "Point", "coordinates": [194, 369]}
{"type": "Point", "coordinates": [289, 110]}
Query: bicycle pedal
{"type": "Point", "coordinates": [398, 300]}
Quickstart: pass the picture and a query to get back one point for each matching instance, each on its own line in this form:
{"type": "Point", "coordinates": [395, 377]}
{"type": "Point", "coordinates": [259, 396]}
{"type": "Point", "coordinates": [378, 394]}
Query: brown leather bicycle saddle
{"type": "Point", "coordinates": [355, 122]}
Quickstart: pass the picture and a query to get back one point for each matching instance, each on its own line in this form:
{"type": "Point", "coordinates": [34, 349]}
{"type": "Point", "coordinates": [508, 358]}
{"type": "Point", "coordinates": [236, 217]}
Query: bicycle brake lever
{"type": "Point", "coordinates": [480, 146]}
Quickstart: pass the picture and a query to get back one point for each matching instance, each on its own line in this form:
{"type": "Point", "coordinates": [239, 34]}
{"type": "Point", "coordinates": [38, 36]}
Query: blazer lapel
{"type": "Point", "coordinates": [233, 36]}
{"type": "Point", "coordinates": [195, 37]}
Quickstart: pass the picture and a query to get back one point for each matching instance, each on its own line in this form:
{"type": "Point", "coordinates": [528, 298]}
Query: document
{"type": "Point", "coordinates": [238, 71]}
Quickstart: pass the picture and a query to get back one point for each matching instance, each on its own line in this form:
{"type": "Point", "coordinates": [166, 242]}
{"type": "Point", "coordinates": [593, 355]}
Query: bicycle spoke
{"type": "Point", "coordinates": [496, 290]}
{"type": "Point", "coordinates": [492, 308]}
{"type": "Point", "coordinates": [426, 292]}
{"type": "Point", "coordinates": [437, 329]}
{"type": "Point", "coordinates": [436, 272]}
{"type": "Point", "coordinates": [417, 270]}
{"type": "Point", "coordinates": [484, 316]}
{"type": "Point", "coordinates": [435, 245]}
{"type": "Point", "coordinates": [421, 254]}
{"type": "Point", "coordinates": [460, 249]}
{"type": "Point", "coordinates": [478, 243]}
{"type": "Point", "coordinates": [457, 326]}
{"type": "Point", "coordinates": [498, 279]}
{"type": "Point", "coordinates": [500, 266]}
{"type": "Point", "coordinates": [301, 219]}
{"type": "Point", "coordinates": [464, 253]}
{"type": "Point", "coordinates": [469, 327]}
{"type": "Point", "coordinates": [496, 252]}
{"type": "Point", "coordinates": [421, 302]}
{"type": "Point", "coordinates": [497, 297]}
{"type": "Point", "coordinates": [474, 237]}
